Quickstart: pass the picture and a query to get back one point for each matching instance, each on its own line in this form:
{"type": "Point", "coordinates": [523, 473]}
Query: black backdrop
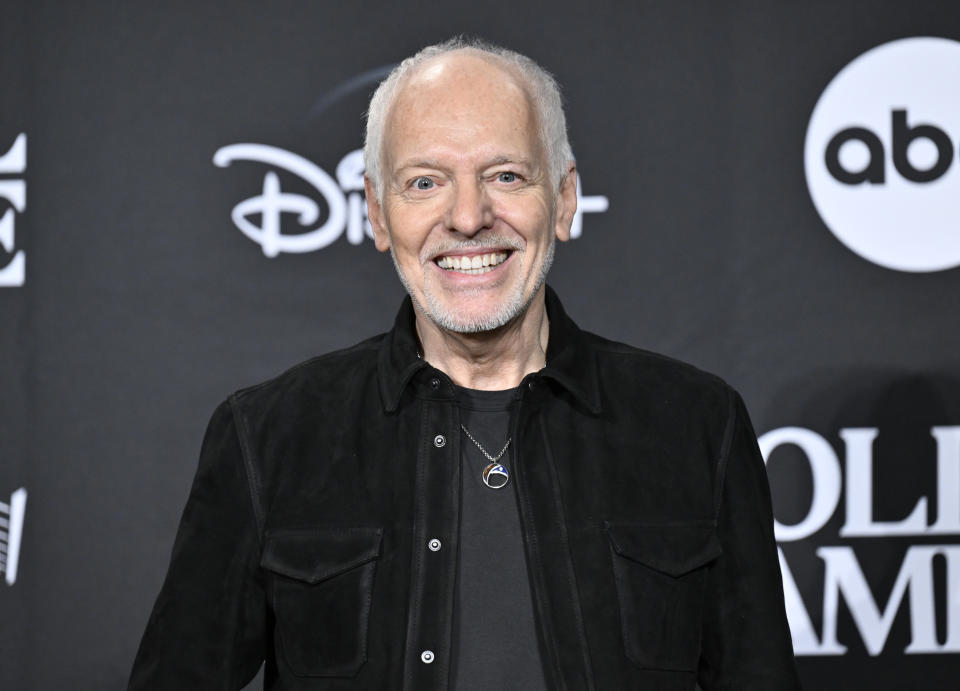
{"type": "Point", "coordinates": [142, 304]}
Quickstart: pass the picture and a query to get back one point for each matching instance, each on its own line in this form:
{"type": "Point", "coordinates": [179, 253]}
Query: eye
{"type": "Point", "coordinates": [507, 177]}
{"type": "Point", "coordinates": [423, 183]}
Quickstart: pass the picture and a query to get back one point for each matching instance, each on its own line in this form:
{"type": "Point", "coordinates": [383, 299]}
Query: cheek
{"type": "Point", "coordinates": [408, 234]}
{"type": "Point", "coordinates": [532, 221]}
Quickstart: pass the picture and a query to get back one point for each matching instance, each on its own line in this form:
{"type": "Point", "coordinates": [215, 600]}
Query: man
{"type": "Point", "coordinates": [485, 497]}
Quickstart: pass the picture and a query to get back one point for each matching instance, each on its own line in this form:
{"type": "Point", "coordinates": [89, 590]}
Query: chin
{"type": "Point", "coordinates": [450, 317]}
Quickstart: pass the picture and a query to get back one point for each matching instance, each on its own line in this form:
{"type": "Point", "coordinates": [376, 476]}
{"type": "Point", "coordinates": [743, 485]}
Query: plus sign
{"type": "Point", "coordinates": [594, 204]}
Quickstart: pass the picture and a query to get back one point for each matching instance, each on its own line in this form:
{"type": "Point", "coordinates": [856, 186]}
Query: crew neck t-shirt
{"type": "Point", "coordinates": [495, 640]}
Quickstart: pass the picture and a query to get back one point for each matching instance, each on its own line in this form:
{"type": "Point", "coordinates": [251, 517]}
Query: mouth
{"type": "Point", "coordinates": [473, 264]}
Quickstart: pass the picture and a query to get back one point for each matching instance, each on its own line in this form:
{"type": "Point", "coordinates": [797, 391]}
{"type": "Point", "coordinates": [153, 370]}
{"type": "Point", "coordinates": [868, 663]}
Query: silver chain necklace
{"type": "Point", "coordinates": [495, 475]}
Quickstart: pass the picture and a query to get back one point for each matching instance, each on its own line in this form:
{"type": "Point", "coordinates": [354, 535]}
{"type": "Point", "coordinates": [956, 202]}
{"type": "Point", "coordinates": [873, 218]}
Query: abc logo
{"type": "Point", "coordinates": [880, 155]}
{"type": "Point", "coordinates": [903, 136]}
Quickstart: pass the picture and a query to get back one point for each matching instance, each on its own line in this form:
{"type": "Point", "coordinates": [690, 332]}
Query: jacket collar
{"type": "Point", "coordinates": [571, 362]}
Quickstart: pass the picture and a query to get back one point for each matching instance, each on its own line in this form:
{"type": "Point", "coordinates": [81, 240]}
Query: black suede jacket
{"type": "Point", "coordinates": [643, 502]}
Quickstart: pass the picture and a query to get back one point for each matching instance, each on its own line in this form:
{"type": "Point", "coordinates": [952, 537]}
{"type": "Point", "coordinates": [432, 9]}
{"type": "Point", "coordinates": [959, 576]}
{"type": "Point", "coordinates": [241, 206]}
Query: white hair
{"type": "Point", "coordinates": [542, 88]}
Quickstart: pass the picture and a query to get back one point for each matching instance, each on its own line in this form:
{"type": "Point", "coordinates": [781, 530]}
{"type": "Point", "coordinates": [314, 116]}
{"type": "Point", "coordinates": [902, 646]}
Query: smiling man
{"type": "Point", "coordinates": [485, 497]}
{"type": "Point", "coordinates": [468, 198]}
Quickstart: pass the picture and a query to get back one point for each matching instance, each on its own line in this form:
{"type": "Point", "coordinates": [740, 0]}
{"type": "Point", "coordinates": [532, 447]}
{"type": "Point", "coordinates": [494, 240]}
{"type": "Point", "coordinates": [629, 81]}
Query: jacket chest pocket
{"type": "Point", "coordinates": [321, 584]}
{"type": "Point", "coordinates": [660, 573]}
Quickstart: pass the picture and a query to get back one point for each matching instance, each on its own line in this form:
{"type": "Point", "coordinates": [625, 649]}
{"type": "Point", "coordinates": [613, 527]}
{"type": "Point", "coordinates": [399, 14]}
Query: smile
{"type": "Point", "coordinates": [475, 264]}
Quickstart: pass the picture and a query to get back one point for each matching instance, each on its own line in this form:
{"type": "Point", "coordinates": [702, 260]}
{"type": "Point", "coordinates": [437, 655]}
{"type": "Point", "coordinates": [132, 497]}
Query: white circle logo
{"type": "Point", "coordinates": [881, 155]}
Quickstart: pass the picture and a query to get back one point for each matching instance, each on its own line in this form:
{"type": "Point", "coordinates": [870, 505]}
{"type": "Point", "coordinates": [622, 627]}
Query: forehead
{"type": "Point", "coordinates": [464, 103]}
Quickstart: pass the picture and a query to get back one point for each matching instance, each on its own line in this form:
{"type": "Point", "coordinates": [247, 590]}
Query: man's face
{"type": "Point", "coordinates": [468, 212]}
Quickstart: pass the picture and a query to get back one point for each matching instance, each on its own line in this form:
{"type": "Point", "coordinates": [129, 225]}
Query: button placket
{"type": "Point", "coordinates": [430, 619]}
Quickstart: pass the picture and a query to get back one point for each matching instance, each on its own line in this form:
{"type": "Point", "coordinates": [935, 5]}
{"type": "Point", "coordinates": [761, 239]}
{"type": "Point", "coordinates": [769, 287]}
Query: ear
{"type": "Point", "coordinates": [566, 203]}
{"type": "Point", "coordinates": [381, 238]}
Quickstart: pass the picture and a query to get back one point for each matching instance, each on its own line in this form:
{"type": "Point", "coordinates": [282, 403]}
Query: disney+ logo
{"type": "Point", "coordinates": [261, 217]}
{"type": "Point", "coordinates": [343, 195]}
{"type": "Point", "coordinates": [347, 209]}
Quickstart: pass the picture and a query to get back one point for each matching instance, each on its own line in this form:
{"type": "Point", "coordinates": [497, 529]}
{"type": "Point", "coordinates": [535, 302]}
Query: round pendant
{"type": "Point", "coordinates": [495, 476]}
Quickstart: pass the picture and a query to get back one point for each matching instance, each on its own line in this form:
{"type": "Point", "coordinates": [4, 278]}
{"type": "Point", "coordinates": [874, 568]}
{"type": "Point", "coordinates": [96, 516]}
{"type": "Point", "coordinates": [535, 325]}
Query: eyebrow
{"type": "Point", "coordinates": [500, 160]}
{"type": "Point", "coordinates": [418, 163]}
{"type": "Point", "coordinates": [433, 163]}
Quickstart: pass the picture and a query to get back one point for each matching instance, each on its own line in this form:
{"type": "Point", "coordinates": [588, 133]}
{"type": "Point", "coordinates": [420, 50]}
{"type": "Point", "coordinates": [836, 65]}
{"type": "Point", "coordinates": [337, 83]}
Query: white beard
{"type": "Point", "coordinates": [449, 320]}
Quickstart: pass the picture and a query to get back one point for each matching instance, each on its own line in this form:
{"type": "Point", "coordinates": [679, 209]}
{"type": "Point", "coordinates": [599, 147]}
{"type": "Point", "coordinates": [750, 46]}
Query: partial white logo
{"type": "Point", "coordinates": [11, 530]}
{"type": "Point", "coordinates": [13, 274]}
{"type": "Point", "coordinates": [342, 195]}
{"type": "Point", "coordinates": [880, 155]}
{"type": "Point", "coordinates": [843, 578]}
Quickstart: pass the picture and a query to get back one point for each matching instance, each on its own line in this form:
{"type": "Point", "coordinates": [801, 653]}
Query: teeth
{"type": "Point", "coordinates": [477, 264]}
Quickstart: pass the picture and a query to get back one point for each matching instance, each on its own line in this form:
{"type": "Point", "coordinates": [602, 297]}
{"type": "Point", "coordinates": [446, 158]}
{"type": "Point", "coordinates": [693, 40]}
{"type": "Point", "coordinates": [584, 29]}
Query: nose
{"type": "Point", "coordinates": [470, 209]}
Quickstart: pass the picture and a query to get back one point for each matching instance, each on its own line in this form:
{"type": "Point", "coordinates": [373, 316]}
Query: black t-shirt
{"type": "Point", "coordinates": [495, 640]}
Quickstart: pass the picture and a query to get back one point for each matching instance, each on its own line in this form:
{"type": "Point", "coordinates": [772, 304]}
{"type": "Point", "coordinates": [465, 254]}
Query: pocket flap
{"type": "Point", "coordinates": [674, 549]}
{"type": "Point", "coordinates": [318, 553]}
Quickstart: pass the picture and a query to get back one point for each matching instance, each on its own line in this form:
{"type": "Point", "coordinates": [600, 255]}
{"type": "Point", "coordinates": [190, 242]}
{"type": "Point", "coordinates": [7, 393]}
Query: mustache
{"type": "Point", "coordinates": [484, 243]}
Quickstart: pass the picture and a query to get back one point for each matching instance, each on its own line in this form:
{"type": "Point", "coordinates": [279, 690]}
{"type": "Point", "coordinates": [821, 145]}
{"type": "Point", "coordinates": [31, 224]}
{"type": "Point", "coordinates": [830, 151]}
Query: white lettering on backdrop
{"type": "Point", "coordinates": [11, 531]}
{"type": "Point", "coordinates": [843, 576]}
{"type": "Point", "coordinates": [15, 192]}
{"type": "Point", "coordinates": [344, 199]}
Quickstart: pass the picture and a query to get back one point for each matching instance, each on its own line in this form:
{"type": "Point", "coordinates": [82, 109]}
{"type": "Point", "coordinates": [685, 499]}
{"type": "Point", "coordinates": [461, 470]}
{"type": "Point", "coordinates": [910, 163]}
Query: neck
{"type": "Point", "coordinates": [492, 360]}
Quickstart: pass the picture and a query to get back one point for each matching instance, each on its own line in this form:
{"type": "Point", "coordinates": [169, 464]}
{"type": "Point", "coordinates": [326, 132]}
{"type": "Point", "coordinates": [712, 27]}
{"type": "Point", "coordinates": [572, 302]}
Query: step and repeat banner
{"type": "Point", "coordinates": [770, 191]}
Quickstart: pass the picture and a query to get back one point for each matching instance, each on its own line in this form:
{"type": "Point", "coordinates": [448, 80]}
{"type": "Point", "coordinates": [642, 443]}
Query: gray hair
{"type": "Point", "coordinates": [543, 90]}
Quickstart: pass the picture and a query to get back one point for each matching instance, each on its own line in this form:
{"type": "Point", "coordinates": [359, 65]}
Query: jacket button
{"type": "Point", "coordinates": [439, 441]}
{"type": "Point", "coordinates": [532, 384]}
{"type": "Point", "coordinates": [434, 383]}
{"type": "Point", "coordinates": [426, 657]}
{"type": "Point", "coordinates": [434, 545]}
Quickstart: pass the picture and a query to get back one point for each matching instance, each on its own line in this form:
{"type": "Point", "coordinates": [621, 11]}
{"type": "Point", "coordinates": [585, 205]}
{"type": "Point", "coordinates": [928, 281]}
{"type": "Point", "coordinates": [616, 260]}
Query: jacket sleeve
{"type": "Point", "coordinates": [207, 628]}
{"type": "Point", "coordinates": [746, 643]}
